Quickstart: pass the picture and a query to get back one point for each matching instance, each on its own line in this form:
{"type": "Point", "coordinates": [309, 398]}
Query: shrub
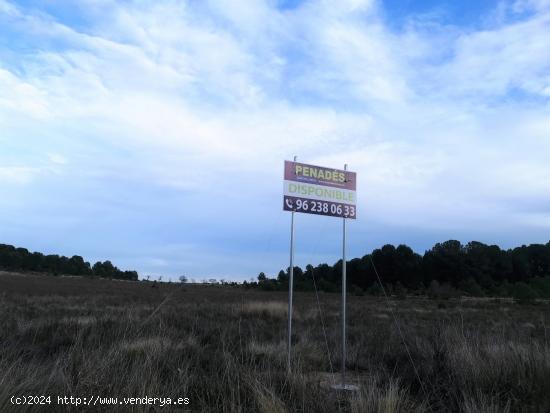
{"type": "Point", "coordinates": [523, 292]}
{"type": "Point", "coordinates": [400, 291]}
{"type": "Point", "coordinates": [375, 290]}
{"type": "Point", "coordinates": [442, 291]}
{"type": "Point", "coordinates": [355, 290]}
{"type": "Point", "coordinates": [471, 287]}
{"type": "Point", "coordinates": [541, 285]}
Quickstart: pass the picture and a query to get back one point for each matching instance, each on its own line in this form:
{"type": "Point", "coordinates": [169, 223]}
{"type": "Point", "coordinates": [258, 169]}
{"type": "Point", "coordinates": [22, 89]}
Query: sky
{"type": "Point", "coordinates": [153, 133]}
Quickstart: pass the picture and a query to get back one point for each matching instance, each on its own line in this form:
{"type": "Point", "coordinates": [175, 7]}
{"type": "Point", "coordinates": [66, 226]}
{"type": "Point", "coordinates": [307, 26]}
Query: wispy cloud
{"type": "Point", "coordinates": [187, 109]}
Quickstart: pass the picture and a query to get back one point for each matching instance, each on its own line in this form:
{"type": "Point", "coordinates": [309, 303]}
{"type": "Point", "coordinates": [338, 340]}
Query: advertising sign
{"type": "Point", "coordinates": [318, 190]}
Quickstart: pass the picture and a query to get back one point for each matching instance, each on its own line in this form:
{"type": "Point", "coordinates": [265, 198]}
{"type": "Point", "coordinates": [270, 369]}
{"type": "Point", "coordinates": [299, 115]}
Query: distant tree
{"type": "Point", "coordinates": [105, 269]}
{"type": "Point", "coordinates": [541, 285]}
{"type": "Point", "coordinates": [298, 273]}
{"type": "Point", "coordinates": [486, 264]}
{"type": "Point", "coordinates": [52, 263]}
{"type": "Point", "coordinates": [327, 273]}
{"type": "Point", "coordinates": [97, 269]}
{"type": "Point", "coordinates": [445, 262]}
{"type": "Point", "coordinates": [77, 266]}
{"type": "Point", "coordinates": [386, 263]}
{"type": "Point", "coordinates": [129, 275]}
{"type": "Point", "coordinates": [357, 273]}
{"type": "Point", "coordinates": [408, 267]}
{"type": "Point", "coordinates": [20, 259]}
{"type": "Point", "coordinates": [375, 290]}
{"type": "Point", "coordinates": [183, 279]}
{"type": "Point", "coordinates": [442, 291]}
{"type": "Point", "coordinates": [523, 292]}
{"type": "Point", "coordinates": [471, 287]}
{"type": "Point", "coordinates": [262, 277]}
{"type": "Point", "coordinates": [400, 291]}
{"type": "Point", "coordinates": [282, 277]}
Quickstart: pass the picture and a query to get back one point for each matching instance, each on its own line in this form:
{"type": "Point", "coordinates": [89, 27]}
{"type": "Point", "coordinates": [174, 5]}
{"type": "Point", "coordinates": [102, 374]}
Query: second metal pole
{"type": "Point", "coordinates": [344, 283]}
{"type": "Point", "coordinates": [290, 289]}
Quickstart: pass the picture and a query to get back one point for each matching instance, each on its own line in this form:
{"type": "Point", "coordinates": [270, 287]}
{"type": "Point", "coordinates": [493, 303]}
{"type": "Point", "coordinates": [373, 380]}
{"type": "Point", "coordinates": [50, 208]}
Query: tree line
{"type": "Point", "coordinates": [448, 268]}
{"type": "Point", "coordinates": [20, 259]}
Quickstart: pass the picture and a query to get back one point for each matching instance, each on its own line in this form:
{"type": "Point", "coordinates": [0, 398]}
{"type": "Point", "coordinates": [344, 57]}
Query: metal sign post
{"type": "Point", "coordinates": [344, 285]}
{"type": "Point", "coordinates": [290, 288]}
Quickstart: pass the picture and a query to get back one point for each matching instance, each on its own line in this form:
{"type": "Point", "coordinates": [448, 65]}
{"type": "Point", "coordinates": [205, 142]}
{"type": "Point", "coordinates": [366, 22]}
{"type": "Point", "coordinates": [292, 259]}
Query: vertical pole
{"type": "Point", "coordinates": [290, 289]}
{"type": "Point", "coordinates": [344, 285]}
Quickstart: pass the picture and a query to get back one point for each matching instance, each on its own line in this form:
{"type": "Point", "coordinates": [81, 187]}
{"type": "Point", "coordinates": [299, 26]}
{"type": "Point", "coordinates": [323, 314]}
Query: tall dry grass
{"type": "Point", "coordinates": [225, 349]}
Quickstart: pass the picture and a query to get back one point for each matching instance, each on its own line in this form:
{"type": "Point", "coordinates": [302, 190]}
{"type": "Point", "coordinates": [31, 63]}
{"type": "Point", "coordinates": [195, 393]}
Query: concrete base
{"type": "Point", "coordinates": [345, 387]}
{"type": "Point", "coordinates": [333, 382]}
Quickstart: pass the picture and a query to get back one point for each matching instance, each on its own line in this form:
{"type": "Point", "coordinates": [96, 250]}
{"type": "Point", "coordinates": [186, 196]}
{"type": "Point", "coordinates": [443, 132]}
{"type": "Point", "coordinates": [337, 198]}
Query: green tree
{"type": "Point", "coordinates": [523, 292]}
{"type": "Point", "coordinates": [471, 287]}
{"type": "Point", "coordinates": [445, 262]}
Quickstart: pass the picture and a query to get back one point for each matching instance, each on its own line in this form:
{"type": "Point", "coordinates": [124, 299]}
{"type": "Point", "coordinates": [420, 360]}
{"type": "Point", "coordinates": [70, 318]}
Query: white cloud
{"type": "Point", "coordinates": [520, 6]}
{"type": "Point", "coordinates": [20, 96]}
{"type": "Point", "coordinates": [8, 8]}
{"type": "Point", "coordinates": [57, 158]}
{"type": "Point", "coordinates": [495, 62]}
{"type": "Point", "coordinates": [188, 96]}
{"type": "Point", "coordinates": [21, 175]}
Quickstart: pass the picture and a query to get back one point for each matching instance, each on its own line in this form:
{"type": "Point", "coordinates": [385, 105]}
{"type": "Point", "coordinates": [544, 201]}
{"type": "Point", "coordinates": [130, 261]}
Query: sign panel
{"type": "Point", "coordinates": [318, 190]}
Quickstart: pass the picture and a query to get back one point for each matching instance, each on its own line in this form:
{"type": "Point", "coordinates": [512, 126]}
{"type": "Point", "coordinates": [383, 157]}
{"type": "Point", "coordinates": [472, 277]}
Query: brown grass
{"type": "Point", "coordinates": [224, 348]}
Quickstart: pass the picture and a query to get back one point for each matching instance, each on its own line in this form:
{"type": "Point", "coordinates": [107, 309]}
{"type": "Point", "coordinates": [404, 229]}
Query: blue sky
{"type": "Point", "coordinates": [153, 133]}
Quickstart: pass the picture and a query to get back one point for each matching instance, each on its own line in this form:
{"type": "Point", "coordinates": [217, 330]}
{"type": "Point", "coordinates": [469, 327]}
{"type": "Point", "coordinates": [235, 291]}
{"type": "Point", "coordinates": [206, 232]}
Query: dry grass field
{"type": "Point", "coordinates": [224, 349]}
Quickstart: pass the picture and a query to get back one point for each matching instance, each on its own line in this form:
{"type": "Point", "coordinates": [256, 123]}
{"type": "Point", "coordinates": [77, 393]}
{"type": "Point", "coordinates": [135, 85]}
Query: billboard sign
{"type": "Point", "coordinates": [318, 190]}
